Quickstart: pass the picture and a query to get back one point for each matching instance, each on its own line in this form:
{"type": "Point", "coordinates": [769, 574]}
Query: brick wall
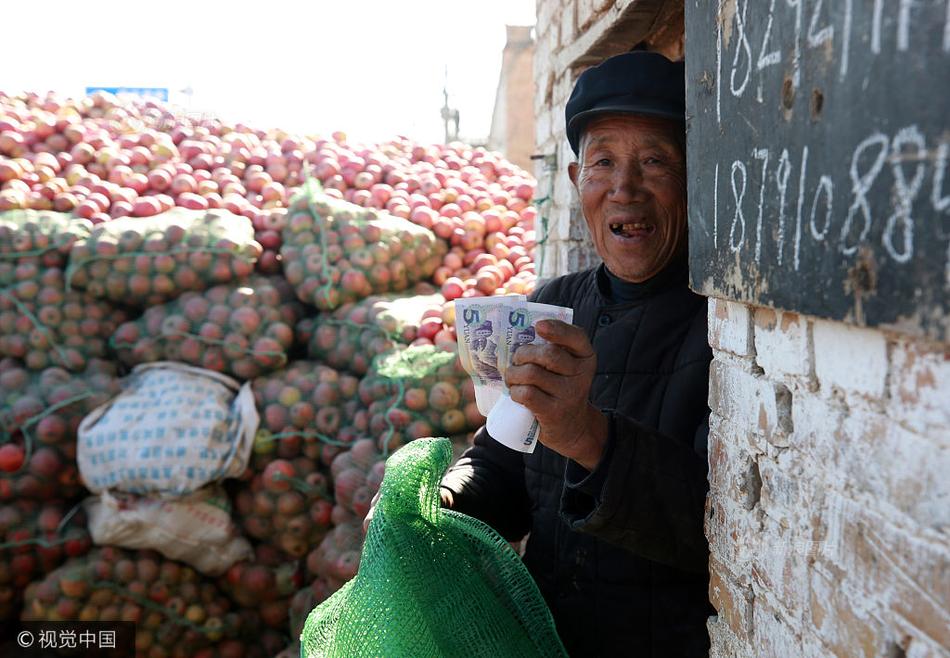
{"type": "Point", "coordinates": [512, 130]}
{"type": "Point", "coordinates": [829, 509]}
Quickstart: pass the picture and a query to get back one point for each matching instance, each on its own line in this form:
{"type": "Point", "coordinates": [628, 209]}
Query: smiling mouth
{"type": "Point", "coordinates": [632, 229]}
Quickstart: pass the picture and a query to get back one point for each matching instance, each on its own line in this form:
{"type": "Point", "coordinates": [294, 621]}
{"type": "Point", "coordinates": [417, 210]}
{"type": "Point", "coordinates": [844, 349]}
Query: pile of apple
{"type": "Point", "coordinates": [35, 538]}
{"type": "Point", "coordinates": [39, 415]}
{"type": "Point", "coordinates": [357, 474]}
{"type": "Point", "coordinates": [266, 584]}
{"type": "Point", "coordinates": [306, 409]}
{"type": "Point", "coordinates": [334, 252]}
{"type": "Point", "coordinates": [240, 329]}
{"type": "Point", "coordinates": [353, 335]}
{"type": "Point", "coordinates": [268, 226]}
{"type": "Point", "coordinates": [286, 506]}
{"type": "Point", "coordinates": [417, 392]}
{"type": "Point", "coordinates": [38, 238]}
{"type": "Point", "coordinates": [177, 611]}
{"type": "Point", "coordinates": [145, 262]}
{"type": "Point", "coordinates": [45, 323]}
{"type": "Point", "coordinates": [337, 558]}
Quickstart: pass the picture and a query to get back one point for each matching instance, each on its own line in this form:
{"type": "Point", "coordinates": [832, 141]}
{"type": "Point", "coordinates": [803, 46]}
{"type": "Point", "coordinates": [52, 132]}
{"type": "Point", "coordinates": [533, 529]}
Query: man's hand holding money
{"type": "Point", "coordinates": [553, 382]}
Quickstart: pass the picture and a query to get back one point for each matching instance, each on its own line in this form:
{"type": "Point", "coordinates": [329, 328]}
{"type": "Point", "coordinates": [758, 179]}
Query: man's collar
{"type": "Point", "coordinates": [617, 291]}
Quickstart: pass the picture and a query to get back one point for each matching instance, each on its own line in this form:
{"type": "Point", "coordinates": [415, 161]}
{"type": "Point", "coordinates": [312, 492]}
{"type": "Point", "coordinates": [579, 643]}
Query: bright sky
{"type": "Point", "coordinates": [374, 69]}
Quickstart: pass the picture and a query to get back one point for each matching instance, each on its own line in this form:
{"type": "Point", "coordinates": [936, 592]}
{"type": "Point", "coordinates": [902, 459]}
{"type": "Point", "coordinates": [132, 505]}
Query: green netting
{"type": "Point", "coordinates": [39, 414]}
{"type": "Point", "coordinates": [45, 323]}
{"type": "Point", "coordinates": [147, 261]}
{"type": "Point", "coordinates": [306, 409]}
{"type": "Point", "coordinates": [39, 238]}
{"type": "Point", "coordinates": [240, 329]}
{"type": "Point", "coordinates": [354, 334]}
{"type": "Point", "coordinates": [173, 606]}
{"type": "Point", "coordinates": [336, 252]}
{"type": "Point", "coordinates": [431, 582]}
{"type": "Point", "coordinates": [416, 392]}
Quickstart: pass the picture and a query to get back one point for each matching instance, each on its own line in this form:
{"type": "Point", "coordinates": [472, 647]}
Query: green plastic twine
{"type": "Point", "coordinates": [311, 189]}
{"type": "Point", "coordinates": [43, 542]}
{"type": "Point", "coordinates": [539, 244]}
{"type": "Point", "coordinates": [201, 339]}
{"type": "Point", "coordinates": [14, 255]}
{"type": "Point", "coordinates": [155, 607]}
{"type": "Point", "coordinates": [304, 487]}
{"type": "Point", "coordinates": [73, 267]}
{"type": "Point", "coordinates": [28, 438]}
{"type": "Point", "coordinates": [36, 323]}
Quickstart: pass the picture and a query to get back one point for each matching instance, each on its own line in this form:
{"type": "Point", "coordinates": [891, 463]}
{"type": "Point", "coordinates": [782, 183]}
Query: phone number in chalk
{"type": "Point", "coordinates": [892, 189]}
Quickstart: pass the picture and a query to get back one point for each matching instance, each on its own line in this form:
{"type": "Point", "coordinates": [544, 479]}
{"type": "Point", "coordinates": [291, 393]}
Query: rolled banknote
{"type": "Point", "coordinates": [509, 422]}
{"type": "Point", "coordinates": [480, 327]}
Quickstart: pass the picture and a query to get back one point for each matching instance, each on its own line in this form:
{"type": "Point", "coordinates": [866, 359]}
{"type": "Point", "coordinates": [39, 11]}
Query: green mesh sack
{"type": "Point", "coordinates": [147, 261]}
{"type": "Point", "coordinates": [41, 238]}
{"type": "Point", "coordinates": [415, 392]}
{"type": "Point", "coordinates": [39, 415]}
{"type": "Point", "coordinates": [240, 329]}
{"type": "Point", "coordinates": [306, 409]}
{"type": "Point", "coordinates": [336, 252]}
{"type": "Point", "coordinates": [431, 582]}
{"type": "Point", "coordinates": [45, 323]}
{"type": "Point", "coordinates": [354, 334]}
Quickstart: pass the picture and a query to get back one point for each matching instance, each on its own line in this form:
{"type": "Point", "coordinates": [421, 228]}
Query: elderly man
{"type": "Point", "coordinates": [613, 499]}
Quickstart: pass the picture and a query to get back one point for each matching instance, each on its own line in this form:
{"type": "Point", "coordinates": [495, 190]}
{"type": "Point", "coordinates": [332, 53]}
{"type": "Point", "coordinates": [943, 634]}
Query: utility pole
{"type": "Point", "coordinates": [449, 114]}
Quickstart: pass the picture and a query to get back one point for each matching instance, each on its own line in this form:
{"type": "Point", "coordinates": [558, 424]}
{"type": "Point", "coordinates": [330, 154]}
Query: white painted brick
{"type": "Point", "coordinates": [846, 628]}
{"type": "Point", "coordinates": [730, 327]}
{"type": "Point", "coordinates": [734, 533]}
{"type": "Point", "coordinates": [731, 596]}
{"type": "Point", "coordinates": [816, 421]}
{"type": "Point", "coordinates": [894, 568]}
{"type": "Point", "coordinates": [853, 359]}
{"type": "Point", "coordinates": [920, 388]}
{"type": "Point", "coordinates": [732, 469]}
{"type": "Point", "coordinates": [901, 469]}
{"type": "Point", "coordinates": [774, 635]}
{"type": "Point", "coordinates": [782, 343]}
{"type": "Point", "coordinates": [724, 642]}
{"type": "Point", "coordinates": [585, 14]}
{"type": "Point", "coordinates": [752, 404]}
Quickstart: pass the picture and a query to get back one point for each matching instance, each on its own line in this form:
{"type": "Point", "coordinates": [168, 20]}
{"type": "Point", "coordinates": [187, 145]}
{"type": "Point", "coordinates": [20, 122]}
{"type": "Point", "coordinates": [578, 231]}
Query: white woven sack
{"type": "Point", "coordinates": [173, 429]}
{"type": "Point", "coordinates": [196, 529]}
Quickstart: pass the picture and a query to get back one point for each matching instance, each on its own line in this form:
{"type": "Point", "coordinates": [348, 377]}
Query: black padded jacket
{"type": "Point", "coordinates": [619, 554]}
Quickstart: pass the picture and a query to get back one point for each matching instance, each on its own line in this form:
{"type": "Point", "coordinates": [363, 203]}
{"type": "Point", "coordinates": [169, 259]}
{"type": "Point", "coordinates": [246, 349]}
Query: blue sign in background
{"type": "Point", "coordinates": [149, 92]}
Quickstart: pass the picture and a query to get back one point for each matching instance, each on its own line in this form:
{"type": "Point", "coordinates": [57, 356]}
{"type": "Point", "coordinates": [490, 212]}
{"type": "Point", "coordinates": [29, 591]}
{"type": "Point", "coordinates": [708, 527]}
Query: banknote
{"type": "Point", "coordinates": [509, 422]}
{"type": "Point", "coordinates": [520, 326]}
{"type": "Point", "coordinates": [480, 328]}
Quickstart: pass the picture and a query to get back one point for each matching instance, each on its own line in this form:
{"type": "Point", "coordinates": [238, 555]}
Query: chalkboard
{"type": "Point", "coordinates": [818, 140]}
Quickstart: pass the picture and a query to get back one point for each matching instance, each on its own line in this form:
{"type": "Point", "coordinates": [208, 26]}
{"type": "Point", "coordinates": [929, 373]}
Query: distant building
{"type": "Point", "coordinates": [512, 125]}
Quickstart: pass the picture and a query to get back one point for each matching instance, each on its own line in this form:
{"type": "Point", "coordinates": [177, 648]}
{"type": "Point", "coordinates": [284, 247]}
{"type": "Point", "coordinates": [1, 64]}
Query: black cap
{"type": "Point", "coordinates": [637, 82]}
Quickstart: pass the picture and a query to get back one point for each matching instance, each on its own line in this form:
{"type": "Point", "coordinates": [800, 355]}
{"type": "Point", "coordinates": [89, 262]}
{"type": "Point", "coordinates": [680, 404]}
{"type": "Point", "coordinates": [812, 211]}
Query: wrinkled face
{"type": "Point", "coordinates": [631, 180]}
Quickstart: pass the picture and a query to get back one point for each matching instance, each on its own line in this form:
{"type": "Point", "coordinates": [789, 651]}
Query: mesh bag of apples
{"type": "Point", "coordinates": [41, 238]}
{"type": "Point", "coordinates": [336, 252]}
{"type": "Point", "coordinates": [415, 392]}
{"type": "Point", "coordinates": [45, 323]}
{"type": "Point", "coordinates": [35, 538]}
{"type": "Point", "coordinates": [147, 261]}
{"type": "Point", "coordinates": [307, 409]}
{"type": "Point", "coordinates": [286, 506]}
{"type": "Point", "coordinates": [354, 334]}
{"type": "Point", "coordinates": [177, 611]}
{"type": "Point", "coordinates": [39, 416]}
{"type": "Point", "coordinates": [240, 329]}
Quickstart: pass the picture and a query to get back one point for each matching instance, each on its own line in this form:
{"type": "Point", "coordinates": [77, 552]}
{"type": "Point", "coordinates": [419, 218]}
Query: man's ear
{"type": "Point", "coordinates": [572, 170]}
